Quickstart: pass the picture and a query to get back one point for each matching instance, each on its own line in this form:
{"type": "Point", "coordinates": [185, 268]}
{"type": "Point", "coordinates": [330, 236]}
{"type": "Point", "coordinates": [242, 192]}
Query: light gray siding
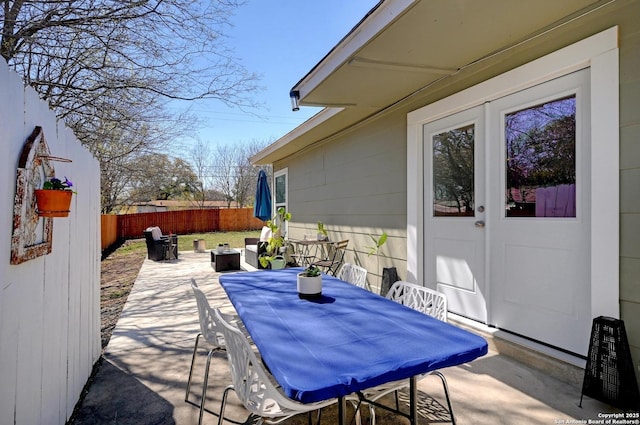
{"type": "Point", "coordinates": [630, 177]}
{"type": "Point", "coordinates": [356, 182]}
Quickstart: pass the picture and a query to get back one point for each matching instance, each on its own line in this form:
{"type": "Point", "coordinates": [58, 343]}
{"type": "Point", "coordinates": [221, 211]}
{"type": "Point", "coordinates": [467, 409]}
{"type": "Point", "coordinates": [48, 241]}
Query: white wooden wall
{"type": "Point", "coordinates": [49, 306]}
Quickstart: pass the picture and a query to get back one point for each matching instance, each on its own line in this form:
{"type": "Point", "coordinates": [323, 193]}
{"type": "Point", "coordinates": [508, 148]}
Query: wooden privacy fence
{"type": "Point", "coordinates": [131, 226]}
{"type": "Point", "coordinates": [108, 230]}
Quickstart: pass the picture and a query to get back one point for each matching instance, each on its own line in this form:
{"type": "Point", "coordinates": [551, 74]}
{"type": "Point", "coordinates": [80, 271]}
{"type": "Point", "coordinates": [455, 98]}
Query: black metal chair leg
{"type": "Point", "coordinates": [204, 385]}
{"type": "Point", "coordinates": [446, 393]}
{"type": "Point", "coordinates": [193, 358]}
{"type": "Point", "coordinates": [223, 403]}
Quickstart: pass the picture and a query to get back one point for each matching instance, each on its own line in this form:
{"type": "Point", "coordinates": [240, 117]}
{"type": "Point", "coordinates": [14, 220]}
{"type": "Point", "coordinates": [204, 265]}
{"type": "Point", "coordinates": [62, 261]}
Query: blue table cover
{"type": "Point", "coordinates": [348, 340]}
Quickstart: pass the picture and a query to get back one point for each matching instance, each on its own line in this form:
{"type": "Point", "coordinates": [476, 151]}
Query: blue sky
{"type": "Point", "coordinates": [281, 40]}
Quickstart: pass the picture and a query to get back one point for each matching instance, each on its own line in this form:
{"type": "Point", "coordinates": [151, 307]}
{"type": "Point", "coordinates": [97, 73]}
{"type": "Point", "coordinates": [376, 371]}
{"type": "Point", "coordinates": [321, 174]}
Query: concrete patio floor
{"type": "Point", "coordinates": [143, 372]}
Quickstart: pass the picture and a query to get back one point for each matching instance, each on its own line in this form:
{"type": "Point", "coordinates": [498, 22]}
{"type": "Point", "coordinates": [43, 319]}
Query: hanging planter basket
{"type": "Point", "coordinates": [53, 203]}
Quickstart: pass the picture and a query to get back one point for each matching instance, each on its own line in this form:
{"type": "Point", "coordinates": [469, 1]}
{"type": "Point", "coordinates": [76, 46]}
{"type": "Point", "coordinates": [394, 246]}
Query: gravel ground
{"type": "Point", "coordinates": [118, 273]}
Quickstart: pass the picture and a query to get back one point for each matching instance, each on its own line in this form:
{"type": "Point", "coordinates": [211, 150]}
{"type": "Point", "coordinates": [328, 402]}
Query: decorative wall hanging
{"type": "Point", "coordinates": [32, 235]}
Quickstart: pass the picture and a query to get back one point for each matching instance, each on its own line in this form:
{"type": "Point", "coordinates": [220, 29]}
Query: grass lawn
{"type": "Point", "coordinates": [185, 242]}
{"type": "Point", "coordinates": [234, 239]}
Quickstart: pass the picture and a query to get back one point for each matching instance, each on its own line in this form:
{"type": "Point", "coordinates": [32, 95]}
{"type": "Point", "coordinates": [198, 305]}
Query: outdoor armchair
{"type": "Point", "coordinates": [160, 247]}
{"type": "Point", "coordinates": [253, 247]}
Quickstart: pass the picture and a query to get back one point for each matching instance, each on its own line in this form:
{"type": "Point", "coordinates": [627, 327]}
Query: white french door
{"type": "Point", "coordinates": [539, 259]}
{"type": "Point", "coordinates": [507, 211]}
{"type": "Point", "coordinates": [455, 212]}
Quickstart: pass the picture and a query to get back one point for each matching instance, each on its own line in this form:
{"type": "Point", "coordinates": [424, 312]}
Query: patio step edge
{"type": "Point", "coordinates": [563, 366]}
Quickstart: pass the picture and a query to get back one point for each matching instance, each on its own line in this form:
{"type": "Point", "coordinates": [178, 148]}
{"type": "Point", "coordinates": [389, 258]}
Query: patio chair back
{"type": "Point", "coordinates": [419, 298]}
{"type": "Point", "coordinates": [212, 334]}
{"type": "Point", "coordinates": [424, 300]}
{"type": "Point", "coordinates": [335, 257]}
{"type": "Point", "coordinates": [355, 275]}
{"type": "Point", "coordinates": [208, 327]}
{"type": "Point", "coordinates": [254, 386]}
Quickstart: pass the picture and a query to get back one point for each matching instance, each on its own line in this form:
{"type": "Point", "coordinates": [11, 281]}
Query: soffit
{"type": "Point", "coordinates": [431, 40]}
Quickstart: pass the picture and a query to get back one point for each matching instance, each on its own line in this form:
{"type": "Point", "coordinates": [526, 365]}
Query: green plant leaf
{"type": "Point", "coordinates": [375, 249]}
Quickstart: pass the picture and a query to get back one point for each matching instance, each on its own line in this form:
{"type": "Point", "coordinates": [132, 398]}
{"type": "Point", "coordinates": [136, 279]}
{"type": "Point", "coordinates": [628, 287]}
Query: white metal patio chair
{"type": "Point", "coordinates": [429, 302]}
{"type": "Point", "coordinates": [255, 387]}
{"type": "Point", "coordinates": [212, 334]}
{"type": "Point", "coordinates": [355, 275]}
{"type": "Point", "coordinates": [425, 300]}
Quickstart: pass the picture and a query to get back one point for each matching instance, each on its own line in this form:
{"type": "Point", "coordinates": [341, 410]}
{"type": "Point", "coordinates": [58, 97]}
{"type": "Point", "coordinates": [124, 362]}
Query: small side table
{"type": "Point", "coordinates": [171, 248]}
{"type": "Point", "coordinates": [227, 260]}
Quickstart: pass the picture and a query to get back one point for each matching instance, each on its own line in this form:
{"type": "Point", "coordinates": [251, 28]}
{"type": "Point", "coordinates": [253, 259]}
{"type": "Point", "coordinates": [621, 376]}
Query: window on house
{"type": "Point", "coordinates": [281, 191]}
{"type": "Point", "coordinates": [281, 188]}
{"type": "Point", "coordinates": [280, 178]}
{"type": "Point", "coordinates": [541, 160]}
{"type": "Point", "coordinates": [453, 172]}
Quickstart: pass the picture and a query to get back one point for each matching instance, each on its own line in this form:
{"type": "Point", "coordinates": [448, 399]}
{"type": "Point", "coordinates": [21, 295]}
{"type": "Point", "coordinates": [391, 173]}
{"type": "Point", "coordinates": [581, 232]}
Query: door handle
{"type": "Point", "coordinates": [479, 223]}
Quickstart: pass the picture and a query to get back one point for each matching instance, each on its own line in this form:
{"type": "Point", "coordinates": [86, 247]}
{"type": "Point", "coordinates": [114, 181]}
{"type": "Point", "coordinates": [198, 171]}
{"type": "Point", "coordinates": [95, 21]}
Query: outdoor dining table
{"type": "Point", "coordinates": [343, 342]}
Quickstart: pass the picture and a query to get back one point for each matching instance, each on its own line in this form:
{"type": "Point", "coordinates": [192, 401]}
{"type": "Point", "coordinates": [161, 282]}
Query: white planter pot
{"type": "Point", "coordinates": [309, 287]}
{"type": "Point", "coordinates": [220, 249]}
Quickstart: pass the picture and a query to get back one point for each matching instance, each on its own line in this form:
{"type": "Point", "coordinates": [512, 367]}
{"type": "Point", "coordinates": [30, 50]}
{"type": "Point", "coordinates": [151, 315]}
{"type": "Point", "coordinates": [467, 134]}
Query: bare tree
{"type": "Point", "coordinates": [245, 181]}
{"type": "Point", "coordinates": [248, 173]}
{"type": "Point", "coordinates": [109, 67]}
{"type": "Point", "coordinates": [118, 140]}
{"type": "Point", "coordinates": [200, 156]}
{"type": "Point", "coordinates": [114, 179]}
{"type": "Point", "coordinates": [74, 52]}
{"type": "Point", "coordinates": [233, 174]}
{"type": "Point", "coordinates": [224, 172]}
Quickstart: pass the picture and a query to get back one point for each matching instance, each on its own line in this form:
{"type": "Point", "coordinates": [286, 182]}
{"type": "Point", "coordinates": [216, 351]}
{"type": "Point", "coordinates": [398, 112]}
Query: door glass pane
{"type": "Point", "coordinates": [540, 165]}
{"type": "Point", "coordinates": [453, 192]}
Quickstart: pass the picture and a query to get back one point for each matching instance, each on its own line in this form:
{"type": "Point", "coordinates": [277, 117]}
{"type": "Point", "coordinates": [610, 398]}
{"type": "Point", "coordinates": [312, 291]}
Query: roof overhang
{"type": "Point", "coordinates": [405, 46]}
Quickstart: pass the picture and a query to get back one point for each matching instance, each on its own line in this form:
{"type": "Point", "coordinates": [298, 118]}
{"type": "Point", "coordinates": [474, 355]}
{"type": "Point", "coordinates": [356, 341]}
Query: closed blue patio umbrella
{"type": "Point", "coordinates": [262, 207]}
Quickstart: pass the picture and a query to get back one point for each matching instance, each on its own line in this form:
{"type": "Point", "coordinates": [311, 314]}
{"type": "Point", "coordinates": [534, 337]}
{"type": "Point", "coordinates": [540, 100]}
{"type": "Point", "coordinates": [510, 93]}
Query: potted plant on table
{"type": "Point", "coordinates": [54, 199]}
{"type": "Point", "coordinates": [310, 283]}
